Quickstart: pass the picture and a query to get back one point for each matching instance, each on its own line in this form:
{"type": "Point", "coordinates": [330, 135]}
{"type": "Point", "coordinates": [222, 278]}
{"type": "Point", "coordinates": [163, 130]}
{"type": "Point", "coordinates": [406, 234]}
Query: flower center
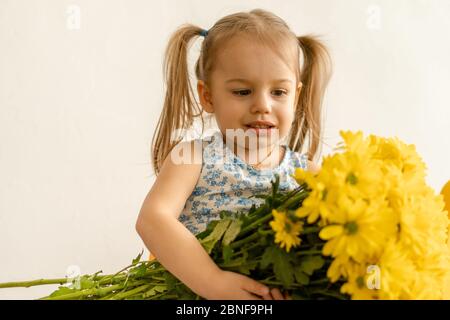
{"type": "Point", "coordinates": [351, 227]}
{"type": "Point", "coordinates": [351, 178]}
{"type": "Point", "coordinates": [288, 227]}
{"type": "Point", "coordinates": [324, 194]}
{"type": "Point", "coordinates": [360, 282]}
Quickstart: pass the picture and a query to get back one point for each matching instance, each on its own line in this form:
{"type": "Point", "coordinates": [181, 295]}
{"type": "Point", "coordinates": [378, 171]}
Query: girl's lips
{"type": "Point", "coordinates": [261, 131]}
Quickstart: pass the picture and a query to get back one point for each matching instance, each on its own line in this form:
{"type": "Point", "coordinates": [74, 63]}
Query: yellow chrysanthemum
{"type": "Point", "coordinates": [433, 273]}
{"type": "Point", "coordinates": [314, 205]}
{"type": "Point", "coordinates": [422, 222]}
{"type": "Point", "coordinates": [375, 209]}
{"type": "Point", "coordinates": [402, 155]}
{"type": "Point", "coordinates": [355, 175]}
{"type": "Point", "coordinates": [352, 174]}
{"type": "Point", "coordinates": [359, 229]}
{"type": "Point", "coordinates": [339, 268]}
{"type": "Point", "coordinates": [318, 201]}
{"type": "Point", "coordinates": [397, 272]}
{"type": "Point", "coordinates": [363, 282]}
{"type": "Point", "coordinates": [286, 231]}
{"type": "Point", "coordinates": [354, 142]}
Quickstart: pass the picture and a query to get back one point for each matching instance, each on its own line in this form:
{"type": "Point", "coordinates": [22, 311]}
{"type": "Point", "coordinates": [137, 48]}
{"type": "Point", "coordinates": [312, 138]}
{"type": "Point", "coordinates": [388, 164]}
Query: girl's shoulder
{"type": "Point", "coordinates": [301, 160]}
{"type": "Point", "coordinates": [175, 182]}
{"type": "Point", "coordinates": [297, 159]}
{"type": "Point", "coordinates": [304, 162]}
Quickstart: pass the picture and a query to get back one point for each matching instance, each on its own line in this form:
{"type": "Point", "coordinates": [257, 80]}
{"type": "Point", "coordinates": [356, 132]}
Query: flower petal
{"type": "Point", "coordinates": [331, 232]}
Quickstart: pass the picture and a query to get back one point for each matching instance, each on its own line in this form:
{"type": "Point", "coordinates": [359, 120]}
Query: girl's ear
{"type": "Point", "coordinates": [204, 95]}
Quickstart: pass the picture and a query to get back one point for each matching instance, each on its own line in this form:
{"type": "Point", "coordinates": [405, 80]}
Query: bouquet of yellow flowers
{"type": "Point", "coordinates": [379, 217]}
{"type": "Point", "coordinates": [366, 226]}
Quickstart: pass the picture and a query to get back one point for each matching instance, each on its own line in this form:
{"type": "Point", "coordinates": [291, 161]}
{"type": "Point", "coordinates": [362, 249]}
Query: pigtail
{"type": "Point", "coordinates": [180, 107]}
{"type": "Point", "coordinates": [315, 75]}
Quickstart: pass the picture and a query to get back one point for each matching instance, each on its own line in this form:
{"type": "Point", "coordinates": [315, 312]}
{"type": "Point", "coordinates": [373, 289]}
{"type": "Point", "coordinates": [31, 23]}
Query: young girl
{"type": "Point", "coordinates": [251, 80]}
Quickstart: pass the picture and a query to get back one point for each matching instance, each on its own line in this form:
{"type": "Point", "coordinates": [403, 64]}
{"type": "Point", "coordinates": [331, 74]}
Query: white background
{"type": "Point", "coordinates": [80, 95]}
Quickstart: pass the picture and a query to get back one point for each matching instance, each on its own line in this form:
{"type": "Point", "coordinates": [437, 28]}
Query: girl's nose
{"type": "Point", "coordinates": [261, 104]}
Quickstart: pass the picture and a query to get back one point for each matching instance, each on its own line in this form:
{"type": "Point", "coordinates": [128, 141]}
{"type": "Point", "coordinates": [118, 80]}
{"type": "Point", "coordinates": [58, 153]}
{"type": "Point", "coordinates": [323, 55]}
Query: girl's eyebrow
{"type": "Point", "coordinates": [247, 81]}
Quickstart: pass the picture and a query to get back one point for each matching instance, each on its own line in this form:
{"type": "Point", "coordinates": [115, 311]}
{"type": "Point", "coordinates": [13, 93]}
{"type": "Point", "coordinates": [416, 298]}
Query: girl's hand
{"type": "Point", "coordinates": [229, 285]}
{"type": "Point", "coordinates": [275, 294]}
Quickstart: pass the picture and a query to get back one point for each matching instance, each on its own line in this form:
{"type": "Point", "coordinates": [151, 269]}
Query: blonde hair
{"type": "Point", "coordinates": [180, 107]}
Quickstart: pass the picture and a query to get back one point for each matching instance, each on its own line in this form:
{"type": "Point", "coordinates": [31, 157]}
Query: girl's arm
{"type": "Point", "coordinates": [175, 247]}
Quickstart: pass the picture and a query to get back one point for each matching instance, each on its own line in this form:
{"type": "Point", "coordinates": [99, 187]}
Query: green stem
{"type": "Point", "coordinates": [309, 230]}
{"type": "Point", "coordinates": [296, 198]}
{"type": "Point", "coordinates": [331, 294]}
{"type": "Point", "coordinates": [117, 275]}
{"type": "Point", "coordinates": [104, 279]}
{"type": "Point", "coordinates": [256, 223]}
{"type": "Point", "coordinates": [261, 209]}
{"type": "Point", "coordinates": [320, 281]}
{"type": "Point", "coordinates": [238, 264]}
{"type": "Point", "coordinates": [308, 252]}
{"type": "Point", "coordinates": [84, 293]}
{"type": "Point", "coordinates": [129, 293]}
{"type": "Point", "coordinates": [280, 284]}
{"type": "Point", "coordinates": [160, 295]}
{"type": "Point", "coordinates": [117, 278]}
{"type": "Point", "coordinates": [39, 282]}
{"type": "Point", "coordinates": [239, 243]}
{"type": "Point", "coordinates": [33, 283]}
{"type": "Point", "coordinates": [246, 249]}
{"type": "Point", "coordinates": [98, 292]}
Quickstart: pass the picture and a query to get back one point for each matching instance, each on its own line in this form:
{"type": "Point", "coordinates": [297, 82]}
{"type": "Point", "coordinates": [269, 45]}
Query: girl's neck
{"type": "Point", "coordinates": [266, 157]}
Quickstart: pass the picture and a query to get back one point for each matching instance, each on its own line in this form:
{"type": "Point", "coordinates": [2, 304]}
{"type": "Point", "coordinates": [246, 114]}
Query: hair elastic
{"type": "Point", "coordinates": [204, 33]}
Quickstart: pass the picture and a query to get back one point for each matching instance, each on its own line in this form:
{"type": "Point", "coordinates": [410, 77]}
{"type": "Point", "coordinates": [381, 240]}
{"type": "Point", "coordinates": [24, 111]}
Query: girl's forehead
{"type": "Point", "coordinates": [251, 61]}
{"type": "Point", "coordinates": [244, 48]}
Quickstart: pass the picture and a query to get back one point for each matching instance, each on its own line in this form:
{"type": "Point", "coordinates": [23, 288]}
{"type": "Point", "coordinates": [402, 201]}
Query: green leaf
{"type": "Point", "coordinates": [170, 281]}
{"type": "Point", "coordinates": [281, 262]}
{"type": "Point", "coordinates": [210, 241]}
{"type": "Point", "coordinates": [261, 196]}
{"type": "Point", "coordinates": [224, 214]}
{"type": "Point", "coordinates": [138, 258]}
{"type": "Point", "coordinates": [155, 290]}
{"type": "Point", "coordinates": [247, 267]}
{"type": "Point", "coordinates": [62, 291]}
{"type": "Point", "coordinates": [268, 201]}
{"type": "Point", "coordinates": [311, 263]}
{"type": "Point", "coordinates": [139, 271]}
{"type": "Point", "coordinates": [184, 293]}
{"type": "Point", "coordinates": [232, 232]}
{"type": "Point", "coordinates": [267, 258]}
{"type": "Point", "coordinates": [209, 228]}
{"type": "Point", "coordinates": [301, 278]}
{"type": "Point", "coordinates": [227, 252]}
{"type": "Point", "coordinates": [86, 283]}
{"type": "Point", "coordinates": [275, 185]}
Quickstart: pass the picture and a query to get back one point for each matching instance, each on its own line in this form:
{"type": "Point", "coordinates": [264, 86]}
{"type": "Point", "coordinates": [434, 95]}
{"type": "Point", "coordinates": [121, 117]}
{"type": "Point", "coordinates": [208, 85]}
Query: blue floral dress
{"type": "Point", "coordinates": [226, 182]}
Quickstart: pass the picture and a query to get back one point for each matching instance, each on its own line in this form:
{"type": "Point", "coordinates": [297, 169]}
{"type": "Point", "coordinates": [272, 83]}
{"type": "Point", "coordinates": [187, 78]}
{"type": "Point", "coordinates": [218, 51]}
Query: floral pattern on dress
{"type": "Point", "coordinates": [226, 182]}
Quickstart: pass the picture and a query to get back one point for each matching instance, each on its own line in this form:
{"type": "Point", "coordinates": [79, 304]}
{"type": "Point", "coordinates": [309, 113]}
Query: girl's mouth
{"type": "Point", "coordinates": [261, 130]}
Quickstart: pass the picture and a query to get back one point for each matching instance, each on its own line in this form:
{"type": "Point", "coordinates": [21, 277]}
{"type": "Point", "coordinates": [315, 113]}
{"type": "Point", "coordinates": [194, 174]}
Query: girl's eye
{"type": "Point", "coordinates": [280, 92]}
{"type": "Point", "coordinates": [241, 92]}
{"type": "Point", "coordinates": [245, 92]}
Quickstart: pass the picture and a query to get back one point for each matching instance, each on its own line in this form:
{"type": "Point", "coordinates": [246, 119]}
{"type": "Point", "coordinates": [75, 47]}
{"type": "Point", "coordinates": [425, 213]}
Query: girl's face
{"type": "Point", "coordinates": [251, 83]}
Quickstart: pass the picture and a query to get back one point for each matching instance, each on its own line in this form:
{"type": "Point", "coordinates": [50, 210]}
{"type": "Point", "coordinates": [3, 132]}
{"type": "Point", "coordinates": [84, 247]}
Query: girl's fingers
{"type": "Point", "coordinates": [250, 296]}
{"type": "Point", "coordinates": [276, 294]}
{"type": "Point", "coordinates": [255, 287]}
{"type": "Point", "coordinates": [267, 297]}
